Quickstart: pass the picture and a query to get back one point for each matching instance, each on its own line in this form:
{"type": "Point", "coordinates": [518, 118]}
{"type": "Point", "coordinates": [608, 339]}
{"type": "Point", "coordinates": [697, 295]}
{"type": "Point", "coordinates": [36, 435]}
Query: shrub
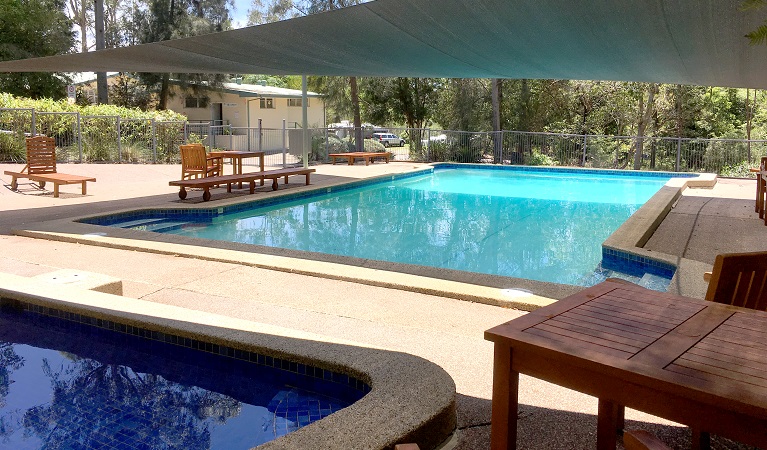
{"type": "Point", "coordinates": [539, 159]}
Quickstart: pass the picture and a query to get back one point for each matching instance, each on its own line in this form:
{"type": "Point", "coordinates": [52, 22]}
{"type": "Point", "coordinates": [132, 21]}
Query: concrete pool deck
{"type": "Point", "coordinates": [443, 330]}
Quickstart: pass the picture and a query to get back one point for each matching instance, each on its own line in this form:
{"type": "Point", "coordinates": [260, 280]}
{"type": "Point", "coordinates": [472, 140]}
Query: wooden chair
{"type": "Point", "coordinates": [642, 440]}
{"type": "Point", "coordinates": [195, 163]}
{"type": "Point", "coordinates": [739, 279]}
{"type": "Point", "coordinates": [41, 167]}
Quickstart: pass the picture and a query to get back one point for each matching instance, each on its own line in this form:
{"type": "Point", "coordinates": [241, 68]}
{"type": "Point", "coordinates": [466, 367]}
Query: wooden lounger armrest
{"type": "Point", "coordinates": [707, 276]}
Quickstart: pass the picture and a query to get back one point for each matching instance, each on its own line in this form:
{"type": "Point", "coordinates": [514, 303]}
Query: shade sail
{"type": "Point", "coordinates": [672, 41]}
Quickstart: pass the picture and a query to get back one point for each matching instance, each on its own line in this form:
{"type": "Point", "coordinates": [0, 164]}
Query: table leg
{"type": "Point", "coordinates": [503, 426]}
{"type": "Point", "coordinates": [700, 439]}
{"type": "Point", "coordinates": [609, 417]}
{"type": "Point", "coordinates": [237, 169]}
{"type": "Point", "coordinates": [261, 165]}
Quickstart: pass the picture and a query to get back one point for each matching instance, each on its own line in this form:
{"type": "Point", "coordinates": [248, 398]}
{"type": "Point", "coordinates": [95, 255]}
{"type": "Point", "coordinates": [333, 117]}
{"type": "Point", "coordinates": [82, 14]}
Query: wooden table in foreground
{"type": "Point", "coordinates": [699, 363]}
{"type": "Point", "coordinates": [237, 157]}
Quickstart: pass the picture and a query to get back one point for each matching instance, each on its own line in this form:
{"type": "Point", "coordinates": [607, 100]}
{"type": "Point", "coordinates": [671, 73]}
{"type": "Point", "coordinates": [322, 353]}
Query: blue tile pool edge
{"type": "Point", "coordinates": [194, 344]}
{"type": "Point", "coordinates": [634, 264]}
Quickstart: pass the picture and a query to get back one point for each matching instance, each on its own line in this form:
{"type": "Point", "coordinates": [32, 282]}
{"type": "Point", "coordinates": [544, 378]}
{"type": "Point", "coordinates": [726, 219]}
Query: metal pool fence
{"type": "Point", "coordinates": [112, 139]}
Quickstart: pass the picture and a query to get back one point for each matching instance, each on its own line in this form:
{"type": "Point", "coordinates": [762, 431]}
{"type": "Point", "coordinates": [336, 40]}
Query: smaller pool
{"type": "Point", "coordinates": [88, 383]}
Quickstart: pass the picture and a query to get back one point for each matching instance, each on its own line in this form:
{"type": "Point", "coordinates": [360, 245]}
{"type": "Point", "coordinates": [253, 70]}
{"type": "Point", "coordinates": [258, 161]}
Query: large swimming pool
{"type": "Point", "coordinates": [545, 225]}
{"type": "Point", "coordinates": [83, 383]}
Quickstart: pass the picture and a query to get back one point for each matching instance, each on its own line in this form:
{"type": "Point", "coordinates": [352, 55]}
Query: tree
{"type": "Point", "coordinates": [161, 20]}
{"type": "Point", "coordinates": [31, 29]}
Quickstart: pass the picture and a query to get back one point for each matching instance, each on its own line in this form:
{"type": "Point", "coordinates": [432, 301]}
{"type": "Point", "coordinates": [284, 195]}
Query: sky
{"type": "Point", "coordinates": [240, 13]}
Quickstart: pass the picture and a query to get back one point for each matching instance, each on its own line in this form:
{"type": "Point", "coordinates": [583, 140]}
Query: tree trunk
{"type": "Point", "coordinates": [497, 135]}
{"type": "Point", "coordinates": [162, 103]}
{"type": "Point", "coordinates": [356, 110]}
{"type": "Point", "coordinates": [101, 77]}
{"type": "Point", "coordinates": [645, 114]}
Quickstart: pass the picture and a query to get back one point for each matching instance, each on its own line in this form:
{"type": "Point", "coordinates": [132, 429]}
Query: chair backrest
{"type": "Point", "coordinates": [41, 155]}
{"type": "Point", "coordinates": [740, 279]}
{"type": "Point", "coordinates": [193, 158]}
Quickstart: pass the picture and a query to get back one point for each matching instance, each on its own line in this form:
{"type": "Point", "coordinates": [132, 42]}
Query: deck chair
{"type": "Point", "coordinates": [41, 167]}
{"type": "Point", "coordinates": [739, 279]}
{"type": "Point", "coordinates": [195, 163]}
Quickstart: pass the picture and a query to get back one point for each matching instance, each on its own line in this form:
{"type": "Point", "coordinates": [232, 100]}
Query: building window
{"type": "Point", "coordinates": [266, 103]}
{"type": "Point", "coordinates": [196, 102]}
{"type": "Point", "coordinates": [297, 102]}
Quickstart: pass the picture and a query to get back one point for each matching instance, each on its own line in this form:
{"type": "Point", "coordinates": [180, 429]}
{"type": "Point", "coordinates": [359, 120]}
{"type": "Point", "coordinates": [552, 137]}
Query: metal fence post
{"type": "Point", "coordinates": [261, 135]}
{"type": "Point", "coordinates": [284, 143]}
{"type": "Point", "coordinates": [583, 159]}
{"type": "Point", "coordinates": [428, 146]}
{"type": "Point", "coordinates": [678, 153]}
{"type": "Point", "coordinates": [154, 140]}
{"type": "Point", "coordinates": [118, 123]}
{"type": "Point", "coordinates": [79, 138]}
{"type": "Point", "coordinates": [34, 123]}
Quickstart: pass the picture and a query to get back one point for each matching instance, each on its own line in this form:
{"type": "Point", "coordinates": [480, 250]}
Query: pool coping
{"type": "Point", "coordinates": [509, 292]}
{"type": "Point", "coordinates": [414, 397]}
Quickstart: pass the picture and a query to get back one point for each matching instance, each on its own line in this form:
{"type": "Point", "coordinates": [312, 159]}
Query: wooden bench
{"type": "Point", "coordinates": [41, 167]}
{"type": "Point", "coordinates": [366, 156]}
{"type": "Point", "coordinates": [208, 182]}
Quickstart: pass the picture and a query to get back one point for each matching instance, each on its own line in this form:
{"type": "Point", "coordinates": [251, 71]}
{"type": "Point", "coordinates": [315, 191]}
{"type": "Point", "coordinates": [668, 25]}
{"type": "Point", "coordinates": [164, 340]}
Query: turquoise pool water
{"type": "Point", "coordinates": [539, 225]}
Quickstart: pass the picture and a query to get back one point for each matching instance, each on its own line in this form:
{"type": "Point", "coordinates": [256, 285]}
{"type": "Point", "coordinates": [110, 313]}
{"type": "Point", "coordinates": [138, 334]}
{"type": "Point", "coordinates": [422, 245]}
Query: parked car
{"type": "Point", "coordinates": [389, 139]}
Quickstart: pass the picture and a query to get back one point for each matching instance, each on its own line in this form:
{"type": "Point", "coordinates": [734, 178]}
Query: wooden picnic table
{"type": "Point", "coordinates": [236, 157]}
{"type": "Point", "coordinates": [702, 364]}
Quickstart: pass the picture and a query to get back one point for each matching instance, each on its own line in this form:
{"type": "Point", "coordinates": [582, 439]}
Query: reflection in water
{"type": "Point", "coordinates": [70, 386]}
{"type": "Point", "coordinates": [539, 227]}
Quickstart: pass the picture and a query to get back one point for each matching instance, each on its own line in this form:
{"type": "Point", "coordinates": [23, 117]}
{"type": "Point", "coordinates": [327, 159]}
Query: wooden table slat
{"type": "Point", "coordinates": [574, 343]}
{"type": "Point", "coordinates": [755, 321]}
{"type": "Point", "coordinates": [743, 339]}
{"type": "Point", "coordinates": [716, 345]}
{"type": "Point", "coordinates": [626, 325]}
{"type": "Point", "coordinates": [633, 316]}
{"type": "Point", "coordinates": [664, 351]}
{"type": "Point", "coordinates": [709, 372]}
{"type": "Point", "coordinates": [610, 333]}
{"type": "Point", "coordinates": [666, 314]}
{"type": "Point", "coordinates": [728, 363]}
{"type": "Point", "coordinates": [568, 331]}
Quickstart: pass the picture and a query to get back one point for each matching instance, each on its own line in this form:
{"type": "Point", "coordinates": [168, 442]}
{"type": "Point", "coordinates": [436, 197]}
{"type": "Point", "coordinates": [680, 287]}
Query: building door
{"type": "Point", "coordinates": [217, 114]}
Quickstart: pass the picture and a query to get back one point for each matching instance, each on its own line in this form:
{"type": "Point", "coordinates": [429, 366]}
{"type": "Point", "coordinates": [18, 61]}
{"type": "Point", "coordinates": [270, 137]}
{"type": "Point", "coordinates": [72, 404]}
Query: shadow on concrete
{"type": "Point", "coordinates": [545, 428]}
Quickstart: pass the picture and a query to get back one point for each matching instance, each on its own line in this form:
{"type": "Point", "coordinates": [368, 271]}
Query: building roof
{"type": "Point", "coordinates": [671, 41]}
{"type": "Point", "coordinates": [259, 90]}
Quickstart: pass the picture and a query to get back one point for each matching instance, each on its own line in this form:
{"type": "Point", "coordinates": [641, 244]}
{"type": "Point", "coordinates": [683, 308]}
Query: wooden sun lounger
{"type": "Point", "coordinates": [208, 182]}
{"type": "Point", "coordinates": [368, 157]}
{"type": "Point", "coordinates": [41, 167]}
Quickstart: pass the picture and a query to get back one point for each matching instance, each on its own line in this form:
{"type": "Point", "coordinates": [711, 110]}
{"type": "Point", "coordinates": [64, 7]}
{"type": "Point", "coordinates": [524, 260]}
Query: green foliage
{"type": "Point", "coordinates": [98, 129]}
{"type": "Point", "coordinates": [31, 29]}
{"type": "Point", "coordinates": [539, 159]}
{"type": "Point", "coordinates": [741, 170]}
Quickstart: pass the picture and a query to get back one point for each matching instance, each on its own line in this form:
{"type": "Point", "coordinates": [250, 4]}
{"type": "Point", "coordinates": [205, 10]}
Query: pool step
{"type": "Point", "coordinates": [165, 225]}
{"type": "Point", "coordinates": [133, 224]}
